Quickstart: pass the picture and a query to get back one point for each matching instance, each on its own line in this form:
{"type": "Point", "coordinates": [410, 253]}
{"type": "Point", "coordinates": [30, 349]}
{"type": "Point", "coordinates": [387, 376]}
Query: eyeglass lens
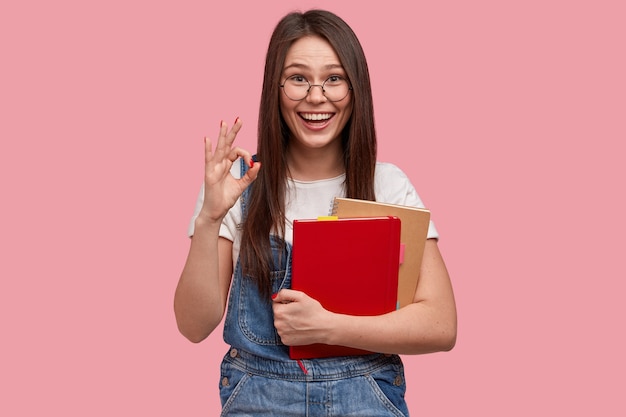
{"type": "Point", "coordinates": [335, 88]}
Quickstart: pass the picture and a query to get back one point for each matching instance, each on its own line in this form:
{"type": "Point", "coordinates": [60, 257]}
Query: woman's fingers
{"type": "Point", "coordinates": [218, 163]}
{"type": "Point", "coordinates": [227, 137]}
{"type": "Point", "coordinates": [208, 150]}
{"type": "Point", "coordinates": [224, 147]}
{"type": "Point", "coordinates": [235, 129]}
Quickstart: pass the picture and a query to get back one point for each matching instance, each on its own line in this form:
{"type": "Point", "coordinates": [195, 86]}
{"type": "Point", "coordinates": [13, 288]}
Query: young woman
{"type": "Point", "coordinates": [316, 141]}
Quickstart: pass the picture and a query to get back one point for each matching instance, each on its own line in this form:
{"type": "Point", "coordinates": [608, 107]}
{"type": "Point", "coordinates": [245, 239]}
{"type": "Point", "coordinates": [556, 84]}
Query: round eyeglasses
{"type": "Point", "coordinates": [335, 88]}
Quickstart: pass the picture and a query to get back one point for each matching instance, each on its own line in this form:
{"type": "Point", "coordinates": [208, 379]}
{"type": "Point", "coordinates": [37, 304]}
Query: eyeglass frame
{"type": "Point", "coordinates": [316, 85]}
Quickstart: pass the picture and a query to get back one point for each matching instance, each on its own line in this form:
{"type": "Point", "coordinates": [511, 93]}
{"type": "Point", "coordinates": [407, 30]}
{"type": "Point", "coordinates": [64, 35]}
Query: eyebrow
{"type": "Point", "coordinates": [304, 66]}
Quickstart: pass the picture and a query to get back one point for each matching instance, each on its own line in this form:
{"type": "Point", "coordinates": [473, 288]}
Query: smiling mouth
{"type": "Point", "coordinates": [316, 117]}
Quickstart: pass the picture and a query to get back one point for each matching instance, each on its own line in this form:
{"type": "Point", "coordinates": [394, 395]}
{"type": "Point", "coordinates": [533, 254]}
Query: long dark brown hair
{"type": "Point", "coordinates": [266, 206]}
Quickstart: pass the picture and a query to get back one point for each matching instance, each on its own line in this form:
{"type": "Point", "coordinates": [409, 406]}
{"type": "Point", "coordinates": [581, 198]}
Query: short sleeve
{"type": "Point", "coordinates": [394, 187]}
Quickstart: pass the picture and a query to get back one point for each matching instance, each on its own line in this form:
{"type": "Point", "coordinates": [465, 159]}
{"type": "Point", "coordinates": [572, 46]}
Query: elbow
{"type": "Point", "coordinates": [193, 335]}
{"type": "Point", "coordinates": [191, 328]}
{"type": "Point", "coordinates": [442, 342]}
{"type": "Point", "coordinates": [448, 342]}
{"type": "Point", "coordinates": [447, 339]}
{"type": "Point", "coordinates": [440, 338]}
{"type": "Point", "coordinates": [194, 338]}
{"type": "Point", "coordinates": [447, 331]}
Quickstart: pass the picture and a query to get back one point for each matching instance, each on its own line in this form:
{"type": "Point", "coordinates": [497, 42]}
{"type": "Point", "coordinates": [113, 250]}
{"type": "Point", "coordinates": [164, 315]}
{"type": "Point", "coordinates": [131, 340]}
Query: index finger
{"type": "Point", "coordinates": [286, 296]}
{"type": "Point", "coordinates": [230, 135]}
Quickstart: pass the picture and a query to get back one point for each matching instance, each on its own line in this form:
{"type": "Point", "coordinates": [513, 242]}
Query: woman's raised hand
{"type": "Point", "coordinates": [221, 189]}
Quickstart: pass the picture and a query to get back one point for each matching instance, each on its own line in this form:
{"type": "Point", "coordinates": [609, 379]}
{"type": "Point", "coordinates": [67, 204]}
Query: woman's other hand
{"type": "Point", "coordinates": [221, 189]}
{"type": "Point", "coordinates": [299, 319]}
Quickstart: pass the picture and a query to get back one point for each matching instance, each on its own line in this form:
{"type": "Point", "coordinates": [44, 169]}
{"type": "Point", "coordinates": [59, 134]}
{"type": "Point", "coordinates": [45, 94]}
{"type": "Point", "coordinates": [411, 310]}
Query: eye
{"type": "Point", "coordinates": [297, 80]}
{"type": "Point", "coordinates": [335, 80]}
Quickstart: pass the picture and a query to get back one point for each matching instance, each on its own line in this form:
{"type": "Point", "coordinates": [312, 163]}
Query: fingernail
{"type": "Point", "coordinates": [236, 120]}
{"type": "Point", "coordinates": [221, 123]}
{"type": "Point", "coordinates": [251, 163]}
{"type": "Point", "coordinates": [274, 296]}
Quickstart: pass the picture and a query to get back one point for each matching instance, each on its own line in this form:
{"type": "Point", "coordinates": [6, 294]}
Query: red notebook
{"type": "Point", "coordinates": [350, 266]}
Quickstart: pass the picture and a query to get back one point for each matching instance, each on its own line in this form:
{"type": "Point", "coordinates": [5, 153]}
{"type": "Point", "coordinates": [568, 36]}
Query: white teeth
{"type": "Point", "coordinates": [316, 116]}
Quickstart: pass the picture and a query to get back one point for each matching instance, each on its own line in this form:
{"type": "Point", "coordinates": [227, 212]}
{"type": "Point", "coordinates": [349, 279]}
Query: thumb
{"type": "Point", "coordinates": [251, 173]}
{"type": "Point", "coordinates": [285, 296]}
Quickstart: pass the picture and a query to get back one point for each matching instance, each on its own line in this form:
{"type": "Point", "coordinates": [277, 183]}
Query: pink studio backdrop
{"type": "Point", "coordinates": [509, 117]}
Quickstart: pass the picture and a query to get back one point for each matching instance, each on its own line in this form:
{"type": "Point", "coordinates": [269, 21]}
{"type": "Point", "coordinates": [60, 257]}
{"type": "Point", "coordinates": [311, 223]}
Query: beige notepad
{"type": "Point", "coordinates": [414, 231]}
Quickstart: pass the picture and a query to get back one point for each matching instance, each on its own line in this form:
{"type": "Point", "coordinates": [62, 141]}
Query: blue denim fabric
{"type": "Point", "coordinates": [365, 386]}
{"type": "Point", "coordinates": [249, 323]}
{"type": "Point", "coordinates": [259, 379]}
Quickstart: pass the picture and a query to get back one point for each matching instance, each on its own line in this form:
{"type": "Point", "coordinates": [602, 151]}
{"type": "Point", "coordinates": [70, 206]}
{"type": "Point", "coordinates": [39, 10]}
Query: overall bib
{"type": "Point", "coordinates": [259, 379]}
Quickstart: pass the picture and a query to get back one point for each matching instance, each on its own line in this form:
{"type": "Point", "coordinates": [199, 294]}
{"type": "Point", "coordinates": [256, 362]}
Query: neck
{"type": "Point", "coordinates": [314, 164]}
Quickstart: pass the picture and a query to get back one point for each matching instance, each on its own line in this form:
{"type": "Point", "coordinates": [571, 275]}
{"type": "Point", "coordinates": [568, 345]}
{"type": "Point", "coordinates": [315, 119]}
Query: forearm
{"type": "Point", "coordinates": [427, 325]}
{"type": "Point", "coordinates": [415, 329]}
{"type": "Point", "coordinates": [199, 301]}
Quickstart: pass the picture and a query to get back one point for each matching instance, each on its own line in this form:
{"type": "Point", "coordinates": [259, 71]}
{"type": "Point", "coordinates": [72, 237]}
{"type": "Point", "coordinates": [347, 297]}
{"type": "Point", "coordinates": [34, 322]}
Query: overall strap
{"type": "Point", "coordinates": [246, 193]}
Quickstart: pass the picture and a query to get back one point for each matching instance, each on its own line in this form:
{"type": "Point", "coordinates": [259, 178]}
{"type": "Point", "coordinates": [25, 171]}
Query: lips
{"type": "Point", "coordinates": [316, 117]}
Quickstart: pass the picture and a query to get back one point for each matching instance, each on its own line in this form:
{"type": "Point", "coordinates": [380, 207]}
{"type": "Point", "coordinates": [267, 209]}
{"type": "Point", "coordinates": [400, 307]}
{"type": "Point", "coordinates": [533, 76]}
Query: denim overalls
{"type": "Point", "coordinates": [259, 379]}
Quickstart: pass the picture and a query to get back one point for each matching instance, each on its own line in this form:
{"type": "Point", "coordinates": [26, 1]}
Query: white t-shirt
{"type": "Point", "coordinates": [310, 199]}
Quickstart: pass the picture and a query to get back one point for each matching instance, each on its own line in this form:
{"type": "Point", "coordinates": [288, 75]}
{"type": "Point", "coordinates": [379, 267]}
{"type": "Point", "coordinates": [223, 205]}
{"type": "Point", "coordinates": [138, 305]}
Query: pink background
{"type": "Point", "coordinates": [509, 117]}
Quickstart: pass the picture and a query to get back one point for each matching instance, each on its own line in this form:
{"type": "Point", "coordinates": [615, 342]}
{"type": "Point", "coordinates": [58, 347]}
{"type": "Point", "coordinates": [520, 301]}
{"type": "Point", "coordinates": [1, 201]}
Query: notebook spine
{"type": "Point", "coordinates": [334, 205]}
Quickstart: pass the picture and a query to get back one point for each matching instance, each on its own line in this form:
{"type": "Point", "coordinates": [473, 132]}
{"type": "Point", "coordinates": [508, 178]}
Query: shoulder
{"type": "Point", "coordinates": [393, 186]}
{"type": "Point", "coordinates": [386, 171]}
{"type": "Point", "coordinates": [389, 178]}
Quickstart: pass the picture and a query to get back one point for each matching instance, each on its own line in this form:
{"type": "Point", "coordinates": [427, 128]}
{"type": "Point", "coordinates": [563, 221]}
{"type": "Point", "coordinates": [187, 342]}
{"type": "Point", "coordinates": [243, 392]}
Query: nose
{"type": "Point", "coordinates": [316, 95]}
